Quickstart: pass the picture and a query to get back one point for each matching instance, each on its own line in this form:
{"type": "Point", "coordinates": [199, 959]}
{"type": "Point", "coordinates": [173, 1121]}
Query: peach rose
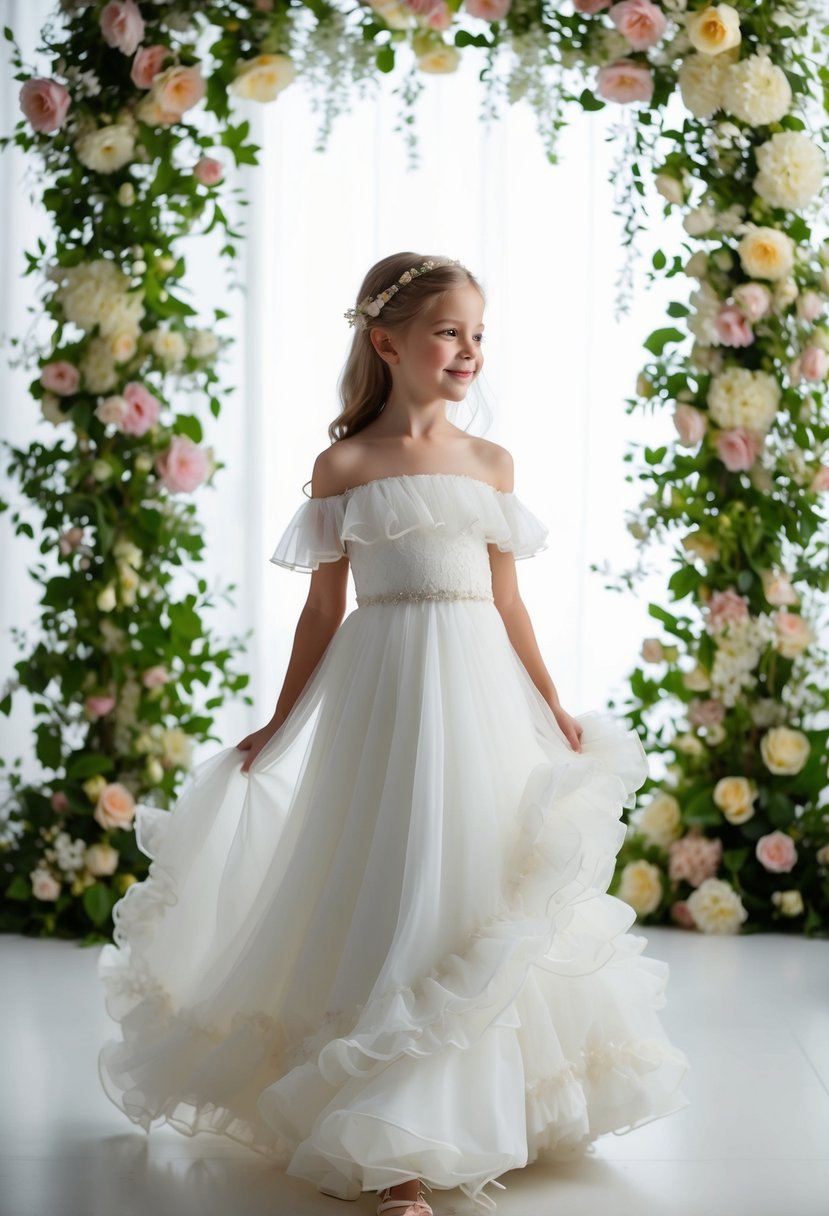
{"type": "Point", "coordinates": [794, 633]}
{"type": "Point", "coordinates": [44, 103]}
{"type": "Point", "coordinates": [59, 802]}
{"type": "Point", "coordinates": [69, 540]}
{"type": "Point", "coordinates": [143, 409]}
{"type": "Point", "coordinates": [122, 25]}
{"type": "Point", "coordinates": [183, 466]}
{"type": "Point", "coordinates": [115, 807]}
{"type": "Point", "coordinates": [732, 327]}
{"type": "Point", "coordinates": [738, 449]}
{"type": "Point", "coordinates": [724, 608]}
{"type": "Point", "coordinates": [208, 171]}
{"type": "Point", "coordinates": [641, 22]}
{"type": "Point", "coordinates": [814, 363]}
{"type": "Point", "coordinates": [147, 64]}
{"type": "Point", "coordinates": [776, 853]}
{"type": "Point", "coordinates": [753, 299]}
{"type": "Point", "coordinates": [624, 81]}
{"type": "Point", "coordinates": [440, 18]}
{"type": "Point", "coordinates": [60, 377]}
{"type": "Point", "coordinates": [820, 481]}
{"type": "Point", "coordinates": [101, 859]}
{"type": "Point", "coordinates": [154, 677]}
{"type": "Point", "coordinates": [810, 305]}
{"type": "Point", "coordinates": [173, 91]}
{"type": "Point", "coordinates": [778, 589]}
{"type": "Point", "coordinates": [691, 424]}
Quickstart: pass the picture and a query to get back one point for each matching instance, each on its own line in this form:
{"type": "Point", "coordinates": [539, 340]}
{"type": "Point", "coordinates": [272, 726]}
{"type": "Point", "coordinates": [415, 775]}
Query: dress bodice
{"type": "Point", "coordinates": [417, 536]}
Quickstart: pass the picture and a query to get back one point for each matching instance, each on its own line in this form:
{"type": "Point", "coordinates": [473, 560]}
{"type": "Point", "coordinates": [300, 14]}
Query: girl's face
{"type": "Point", "coordinates": [445, 341]}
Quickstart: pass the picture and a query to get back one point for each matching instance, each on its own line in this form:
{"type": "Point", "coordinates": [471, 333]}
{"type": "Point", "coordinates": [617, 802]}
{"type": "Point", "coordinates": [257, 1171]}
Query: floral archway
{"type": "Point", "coordinates": [133, 127]}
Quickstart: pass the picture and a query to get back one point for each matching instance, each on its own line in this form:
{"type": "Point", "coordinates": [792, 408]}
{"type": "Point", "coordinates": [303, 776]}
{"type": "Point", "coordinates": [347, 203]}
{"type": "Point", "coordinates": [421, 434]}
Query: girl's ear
{"type": "Point", "coordinates": [382, 342]}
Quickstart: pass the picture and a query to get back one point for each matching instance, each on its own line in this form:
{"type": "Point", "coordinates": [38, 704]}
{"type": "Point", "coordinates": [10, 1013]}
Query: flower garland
{"type": "Point", "coordinates": [733, 835]}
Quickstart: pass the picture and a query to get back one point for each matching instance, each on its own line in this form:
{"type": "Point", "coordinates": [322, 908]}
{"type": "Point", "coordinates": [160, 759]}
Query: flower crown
{"type": "Point", "coordinates": [371, 305]}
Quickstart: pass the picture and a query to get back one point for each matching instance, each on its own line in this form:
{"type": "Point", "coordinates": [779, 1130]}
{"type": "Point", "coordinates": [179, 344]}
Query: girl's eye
{"type": "Point", "coordinates": [452, 330]}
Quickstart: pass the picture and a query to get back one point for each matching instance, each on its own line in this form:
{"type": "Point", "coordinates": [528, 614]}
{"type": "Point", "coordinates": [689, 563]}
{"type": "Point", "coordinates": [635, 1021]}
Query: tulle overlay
{"type": "Point", "coordinates": [388, 950]}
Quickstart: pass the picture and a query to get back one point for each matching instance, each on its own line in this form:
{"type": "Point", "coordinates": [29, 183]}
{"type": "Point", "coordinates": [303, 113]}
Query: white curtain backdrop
{"type": "Point", "coordinates": [547, 247]}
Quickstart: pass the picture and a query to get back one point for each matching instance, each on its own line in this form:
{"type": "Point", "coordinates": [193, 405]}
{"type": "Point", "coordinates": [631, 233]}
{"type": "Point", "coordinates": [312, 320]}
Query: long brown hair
{"type": "Point", "coordinates": [365, 381]}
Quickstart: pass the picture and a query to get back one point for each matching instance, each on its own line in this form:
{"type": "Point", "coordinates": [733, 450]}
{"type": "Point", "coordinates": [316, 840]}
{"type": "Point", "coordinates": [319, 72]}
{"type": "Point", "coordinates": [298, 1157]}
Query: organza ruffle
{"type": "Point", "coordinates": [392, 506]}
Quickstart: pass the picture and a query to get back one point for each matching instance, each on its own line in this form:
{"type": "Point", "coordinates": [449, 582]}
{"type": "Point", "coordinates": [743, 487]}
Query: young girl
{"type": "Point", "coordinates": [380, 947]}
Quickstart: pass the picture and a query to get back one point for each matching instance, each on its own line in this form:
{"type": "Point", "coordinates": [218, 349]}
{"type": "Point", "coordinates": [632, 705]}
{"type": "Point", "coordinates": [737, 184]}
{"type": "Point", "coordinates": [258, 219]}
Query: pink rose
{"type": "Point", "coordinates": [263, 6]}
{"type": "Point", "coordinates": [208, 171]}
{"type": "Point", "coordinates": [60, 377]}
{"type": "Point", "coordinates": [624, 81]}
{"type": "Point", "coordinates": [776, 852]}
{"type": "Point", "coordinates": [44, 103]}
{"type": "Point", "coordinates": [122, 25]}
{"type": "Point", "coordinates": [641, 22]}
{"type": "Point", "coordinates": [814, 363]}
{"type": "Point", "coordinates": [738, 449]}
{"type": "Point", "coordinates": [183, 466]}
{"type": "Point", "coordinates": [754, 300]}
{"type": "Point", "coordinates": [726, 607]}
{"type": "Point", "coordinates": [115, 807]}
{"type": "Point", "coordinates": [489, 10]}
{"type": "Point", "coordinates": [589, 7]}
{"type": "Point", "coordinates": [705, 713]}
{"type": "Point", "coordinates": [154, 677]}
{"type": "Point", "coordinates": [99, 705]}
{"type": "Point", "coordinates": [440, 17]}
{"type": "Point", "coordinates": [732, 327]}
{"type": "Point", "coordinates": [794, 633]}
{"type": "Point", "coordinates": [59, 802]}
{"type": "Point", "coordinates": [143, 409]}
{"type": "Point", "coordinates": [147, 64]}
{"type": "Point", "coordinates": [681, 916]}
{"type": "Point", "coordinates": [820, 481]}
{"type": "Point", "coordinates": [44, 885]}
{"type": "Point", "coordinates": [694, 858]}
{"type": "Point", "coordinates": [691, 424]}
{"type": "Point", "coordinates": [810, 305]}
{"type": "Point", "coordinates": [69, 540]}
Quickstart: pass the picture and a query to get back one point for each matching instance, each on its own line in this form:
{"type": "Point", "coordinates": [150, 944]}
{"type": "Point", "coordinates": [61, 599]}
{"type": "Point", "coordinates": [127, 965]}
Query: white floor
{"type": "Point", "coordinates": [752, 1014]}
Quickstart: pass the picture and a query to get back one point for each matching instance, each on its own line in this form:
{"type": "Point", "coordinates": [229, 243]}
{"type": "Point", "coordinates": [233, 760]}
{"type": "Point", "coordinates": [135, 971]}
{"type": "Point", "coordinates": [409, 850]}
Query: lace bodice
{"type": "Point", "coordinates": [412, 536]}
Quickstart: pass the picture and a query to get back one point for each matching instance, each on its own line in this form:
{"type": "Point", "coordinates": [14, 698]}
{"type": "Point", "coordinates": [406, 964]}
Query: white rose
{"type": "Point", "coordinates": [44, 884]}
{"type": "Point", "coordinates": [699, 221]}
{"type": "Point", "coordinates": [784, 751]}
{"type": "Point", "coordinates": [112, 410]}
{"type": "Point", "coordinates": [766, 253]}
{"type": "Point", "coordinates": [735, 796]}
{"type": "Point", "coordinates": [696, 680]}
{"type": "Point", "coordinates": [790, 903]}
{"type": "Point", "coordinates": [716, 907]}
{"type": "Point", "coordinates": [660, 821]}
{"type": "Point", "coordinates": [176, 747]}
{"type": "Point", "coordinates": [97, 366]}
{"type": "Point", "coordinates": [697, 265]}
{"type": "Point", "coordinates": [263, 78]}
{"type": "Point", "coordinates": [203, 343]}
{"type": "Point", "coordinates": [101, 859]}
{"type": "Point", "coordinates": [170, 346]}
{"type": "Point", "coordinates": [689, 745]}
{"type": "Point", "coordinates": [669, 187]}
{"type": "Point", "coordinates": [641, 887]}
{"type": "Point", "coordinates": [442, 59]}
{"type": "Point", "coordinates": [107, 149]}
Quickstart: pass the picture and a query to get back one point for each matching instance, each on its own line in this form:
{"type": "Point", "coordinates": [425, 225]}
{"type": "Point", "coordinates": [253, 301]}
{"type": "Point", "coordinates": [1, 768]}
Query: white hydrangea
{"type": "Point", "coordinates": [734, 669]}
{"type": "Point", "coordinates": [701, 79]}
{"type": "Point", "coordinates": [792, 168]}
{"type": "Point", "coordinates": [68, 853]}
{"type": "Point", "coordinates": [95, 293]}
{"type": "Point", "coordinates": [741, 397]}
{"type": "Point", "coordinates": [756, 91]}
{"type": "Point", "coordinates": [97, 366]}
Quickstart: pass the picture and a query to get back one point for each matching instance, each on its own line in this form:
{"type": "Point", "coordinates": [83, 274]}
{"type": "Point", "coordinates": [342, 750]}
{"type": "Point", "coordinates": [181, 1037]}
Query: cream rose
{"type": "Point", "coordinates": [714, 29]}
{"type": "Point", "coordinates": [784, 751]}
{"type": "Point", "coordinates": [766, 253]}
{"type": "Point", "coordinates": [44, 884]}
{"type": "Point", "coordinates": [790, 902]}
{"type": "Point", "coordinates": [441, 60]}
{"type": "Point", "coordinates": [263, 78]}
{"type": "Point", "coordinates": [641, 887]}
{"type": "Point", "coordinates": [716, 907]}
{"type": "Point", "coordinates": [660, 822]}
{"type": "Point", "coordinates": [735, 797]}
{"type": "Point", "coordinates": [107, 149]}
{"type": "Point", "coordinates": [101, 859]}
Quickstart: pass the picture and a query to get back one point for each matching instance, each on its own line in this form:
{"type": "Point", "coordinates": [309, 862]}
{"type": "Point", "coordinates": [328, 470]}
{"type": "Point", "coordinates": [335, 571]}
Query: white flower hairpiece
{"type": "Point", "coordinates": [371, 305]}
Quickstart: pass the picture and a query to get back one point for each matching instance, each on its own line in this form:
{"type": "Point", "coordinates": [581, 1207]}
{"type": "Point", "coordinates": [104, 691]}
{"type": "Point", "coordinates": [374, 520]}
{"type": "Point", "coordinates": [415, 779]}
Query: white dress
{"type": "Point", "coordinates": [388, 951]}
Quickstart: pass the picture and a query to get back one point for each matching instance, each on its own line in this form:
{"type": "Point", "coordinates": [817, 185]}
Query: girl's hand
{"type": "Point", "coordinates": [254, 743]}
{"type": "Point", "coordinates": [572, 729]}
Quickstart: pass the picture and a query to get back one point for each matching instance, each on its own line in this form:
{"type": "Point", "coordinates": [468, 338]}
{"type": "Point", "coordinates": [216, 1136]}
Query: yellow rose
{"type": "Point", "coordinates": [784, 751]}
{"type": "Point", "coordinates": [262, 78]}
{"type": "Point", "coordinates": [714, 29]}
{"type": "Point", "coordinates": [735, 797]}
{"type": "Point", "coordinates": [641, 886]}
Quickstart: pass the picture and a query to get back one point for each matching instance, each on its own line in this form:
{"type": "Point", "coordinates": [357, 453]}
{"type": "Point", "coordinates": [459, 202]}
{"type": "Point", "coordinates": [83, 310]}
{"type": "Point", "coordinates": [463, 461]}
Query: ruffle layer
{"type": "Point", "coordinates": [392, 506]}
{"type": "Point", "coordinates": [266, 1084]}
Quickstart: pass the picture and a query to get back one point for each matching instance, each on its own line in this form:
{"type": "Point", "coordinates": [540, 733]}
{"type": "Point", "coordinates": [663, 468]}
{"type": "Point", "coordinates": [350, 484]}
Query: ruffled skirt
{"type": "Point", "coordinates": [387, 951]}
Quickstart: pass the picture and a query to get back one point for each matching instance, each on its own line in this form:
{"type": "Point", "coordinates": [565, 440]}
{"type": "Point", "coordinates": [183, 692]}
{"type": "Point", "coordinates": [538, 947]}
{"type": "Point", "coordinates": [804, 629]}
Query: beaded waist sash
{"type": "Point", "coordinates": [398, 597]}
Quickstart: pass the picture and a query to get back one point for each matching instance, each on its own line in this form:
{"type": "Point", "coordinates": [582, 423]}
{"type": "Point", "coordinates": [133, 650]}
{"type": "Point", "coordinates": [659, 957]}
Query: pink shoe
{"type": "Point", "coordinates": [410, 1207]}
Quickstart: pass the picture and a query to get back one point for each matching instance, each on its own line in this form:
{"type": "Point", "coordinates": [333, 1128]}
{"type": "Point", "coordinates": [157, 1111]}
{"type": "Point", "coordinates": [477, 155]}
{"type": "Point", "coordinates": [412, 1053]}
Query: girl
{"type": "Point", "coordinates": [380, 949]}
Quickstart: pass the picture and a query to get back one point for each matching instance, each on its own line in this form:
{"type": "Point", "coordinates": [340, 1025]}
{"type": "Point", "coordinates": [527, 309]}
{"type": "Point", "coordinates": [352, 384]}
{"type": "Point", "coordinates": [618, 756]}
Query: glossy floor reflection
{"type": "Point", "coordinates": [752, 1015]}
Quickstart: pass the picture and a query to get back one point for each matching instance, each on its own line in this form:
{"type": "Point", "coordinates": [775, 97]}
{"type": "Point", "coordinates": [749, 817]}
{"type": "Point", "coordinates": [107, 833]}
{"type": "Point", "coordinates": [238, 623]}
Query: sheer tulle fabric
{"type": "Point", "coordinates": [388, 950]}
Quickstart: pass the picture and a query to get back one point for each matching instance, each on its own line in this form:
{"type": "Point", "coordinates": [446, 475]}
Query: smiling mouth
{"type": "Point", "coordinates": [452, 373]}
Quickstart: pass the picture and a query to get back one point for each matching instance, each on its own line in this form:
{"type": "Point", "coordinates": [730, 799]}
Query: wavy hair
{"type": "Point", "coordinates": [366, 380]}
